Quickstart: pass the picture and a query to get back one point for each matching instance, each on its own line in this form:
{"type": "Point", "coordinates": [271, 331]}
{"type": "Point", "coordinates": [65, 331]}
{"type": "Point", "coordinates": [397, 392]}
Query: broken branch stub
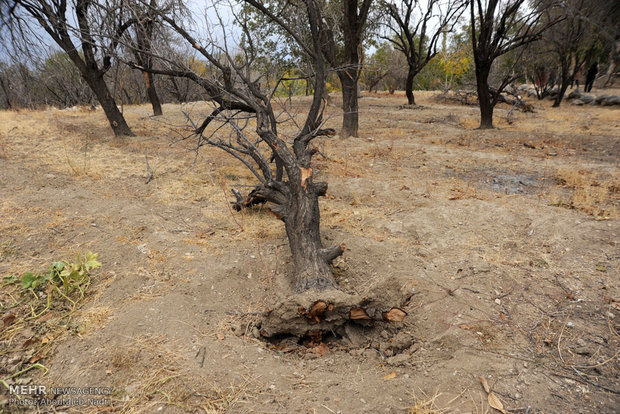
{"type": "Point", "coordinates": [395, 315]}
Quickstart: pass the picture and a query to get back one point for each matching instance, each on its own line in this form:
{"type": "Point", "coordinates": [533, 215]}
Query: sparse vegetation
{"type": "Point", "coordinates": [588, 191]}
{"type": "Point", "coordinates": [43, 303]}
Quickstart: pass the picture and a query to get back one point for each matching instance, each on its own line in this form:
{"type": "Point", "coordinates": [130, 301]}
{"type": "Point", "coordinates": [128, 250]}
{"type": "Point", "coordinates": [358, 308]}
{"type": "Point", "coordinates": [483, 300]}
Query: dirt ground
{"type": "Point", "coordinates": [507, 239]}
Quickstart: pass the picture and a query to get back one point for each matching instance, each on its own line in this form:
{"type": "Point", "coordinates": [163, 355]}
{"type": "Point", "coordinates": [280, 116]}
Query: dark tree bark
{"type": "Point", "coordinates": [350, 105]}
{"type": "Point", "coordinates": [99, 87]}
{"type": "Point", "coordinates": [52, 17]}
{"type": "Point", "coordinates": [409, 85]}
{"type": "Point", "coordinates": [353, 26]}
{"type": "Point", "coordinates": [348, 63]}
{"type": "Point", "coordinates": [484, 98]}
{"type": "Point", "coordinates": [565, 81]}
{"type": "Point", "coordinates": [151, 91]}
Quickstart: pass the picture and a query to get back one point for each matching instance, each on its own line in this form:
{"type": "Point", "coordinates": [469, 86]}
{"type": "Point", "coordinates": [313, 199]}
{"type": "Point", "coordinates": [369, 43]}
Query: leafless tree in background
{"type": "Point", "coordinates": [89, 56]}
{"type": "Point", "coordinates": [497, 28]}
{"type": "Point", "coordinates": [576, 40]}
{"type": "Point", "coordinates": [414, 29]}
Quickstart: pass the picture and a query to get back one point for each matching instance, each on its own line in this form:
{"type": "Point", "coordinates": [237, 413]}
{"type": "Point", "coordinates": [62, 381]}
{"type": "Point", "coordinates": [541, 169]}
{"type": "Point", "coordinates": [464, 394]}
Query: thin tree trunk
{"type": "Point", "coordinates": [561, 92]}
{"type": "Point", "coordinates": [564, 82]}
{"type": "Point", "coordinates": [348, 80]}
{"type": "Point", "coordinates": [409, 86]}
{"type": "Point", "coordinates": [152, 93]}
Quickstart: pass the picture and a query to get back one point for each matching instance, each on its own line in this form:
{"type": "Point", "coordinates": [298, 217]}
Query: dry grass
{"type": "Point", "coordinates": [589, 191]}
{"type": "Point", "coordinates": [430, 405]}
{"type": "Point", "coordinates": [152, 370]}
{"type": "Point", "coordinates": [93, 318]}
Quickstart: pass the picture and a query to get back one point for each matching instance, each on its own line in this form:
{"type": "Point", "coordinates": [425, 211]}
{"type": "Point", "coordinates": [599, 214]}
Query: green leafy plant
{"type": "Point", "coordinates": [34, 281]}
{"type": "Point", "coordinates": [62, 277]}
{"type": "Point", "coordinates": [10, 280]}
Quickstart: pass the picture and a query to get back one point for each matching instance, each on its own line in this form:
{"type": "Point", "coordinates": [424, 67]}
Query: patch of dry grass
{"type": "Point", "coordinates": [153, 381]}
{"type": "Point", "coordinates": [94, 318]}
{"type": "Point", "coordinates": [426, 404]}
{"type": "Point", "coordinates": [588, 191]}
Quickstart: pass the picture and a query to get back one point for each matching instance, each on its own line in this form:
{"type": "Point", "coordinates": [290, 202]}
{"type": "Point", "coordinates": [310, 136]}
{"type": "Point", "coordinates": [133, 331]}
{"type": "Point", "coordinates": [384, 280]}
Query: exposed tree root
{"type": "Point", "coordinates": [326, 310]}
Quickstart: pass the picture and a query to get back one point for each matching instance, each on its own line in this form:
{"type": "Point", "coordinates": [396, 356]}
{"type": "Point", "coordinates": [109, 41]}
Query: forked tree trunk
{"type": "Point", "coordinates": [348, 80]}
{"type": "Point", "coordinates": [151, 92]}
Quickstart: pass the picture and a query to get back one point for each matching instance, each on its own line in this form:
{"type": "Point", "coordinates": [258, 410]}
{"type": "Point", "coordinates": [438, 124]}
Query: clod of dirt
{"type": "Point", "coordinates": [325, 311]}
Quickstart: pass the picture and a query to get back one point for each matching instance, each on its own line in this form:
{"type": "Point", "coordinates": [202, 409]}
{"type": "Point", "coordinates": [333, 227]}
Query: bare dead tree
{"type": "Point", "coordinates": [141, 37]}
{"type": "Point", "coordinates": [56, 18]}
{"type": "Point", "coordinates": [415, 28]}
{"type": "Point", "coordinates": [344, 26]}
{"type": "Point", "coordinates": [353, 26]}
{"type": "Point", "coordinates": [282, 166]}
{"type": "Point", "coordinates": [497, 28]}
{"type": "Point", "coordinates": [573, 41]}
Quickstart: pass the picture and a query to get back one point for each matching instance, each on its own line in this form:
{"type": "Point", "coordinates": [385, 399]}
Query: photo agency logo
{"type": "Point", "coordinates": [41, 395]}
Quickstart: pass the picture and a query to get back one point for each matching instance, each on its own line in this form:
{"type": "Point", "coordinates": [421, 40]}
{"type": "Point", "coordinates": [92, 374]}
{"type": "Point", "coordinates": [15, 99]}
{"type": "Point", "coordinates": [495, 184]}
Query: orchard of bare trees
{"type": "Point", "coordinates": [109, 53]}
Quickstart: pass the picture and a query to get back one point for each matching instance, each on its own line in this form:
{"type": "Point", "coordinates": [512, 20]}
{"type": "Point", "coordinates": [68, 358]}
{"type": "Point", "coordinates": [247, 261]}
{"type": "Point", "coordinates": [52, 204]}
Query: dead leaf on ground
{"type": "Point", "coordinates": [30, 341]}
{"type": "Point", "coordinates": [220, 336]}
{"type": "Point", "coordinates": [390, 376]}
{"type": "Point", "coordinates": [35, 359]}
{"type": "Point", "coordinates": [494, 402]}
{"type": "Point", "coordinates": [321, 350]}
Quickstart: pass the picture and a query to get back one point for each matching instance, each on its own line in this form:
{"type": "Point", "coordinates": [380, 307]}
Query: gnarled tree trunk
{"type": "Point", "coordinates": [284, 169]}
{"type": "Point", "coordinates": [312, 263]}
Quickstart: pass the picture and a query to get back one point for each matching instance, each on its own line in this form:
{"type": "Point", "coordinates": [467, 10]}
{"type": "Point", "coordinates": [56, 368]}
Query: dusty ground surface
{"type": "Point", "coordinates": [508, 239]}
